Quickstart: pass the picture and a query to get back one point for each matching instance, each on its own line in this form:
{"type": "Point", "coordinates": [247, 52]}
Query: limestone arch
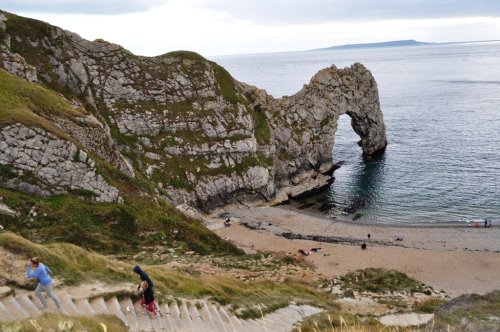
{"type": "Point", "coordinates": [305, 123]}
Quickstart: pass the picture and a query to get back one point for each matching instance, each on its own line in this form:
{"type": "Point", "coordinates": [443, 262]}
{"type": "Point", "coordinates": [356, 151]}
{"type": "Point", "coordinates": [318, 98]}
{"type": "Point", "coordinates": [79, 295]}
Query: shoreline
{"type": "Point", "coordinates": [311, 213]}
{"type": "Point", "coordinates": [458, 260]}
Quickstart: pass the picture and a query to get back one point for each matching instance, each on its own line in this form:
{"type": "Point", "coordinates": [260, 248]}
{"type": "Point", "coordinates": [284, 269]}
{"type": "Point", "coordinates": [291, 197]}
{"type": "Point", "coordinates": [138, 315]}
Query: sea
{"type": "Point", "coordinates": [441, 107]}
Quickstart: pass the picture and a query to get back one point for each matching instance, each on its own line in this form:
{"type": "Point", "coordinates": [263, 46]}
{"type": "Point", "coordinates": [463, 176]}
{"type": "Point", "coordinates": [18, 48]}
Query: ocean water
{"type": "Point", "coordinates": [441, 107]}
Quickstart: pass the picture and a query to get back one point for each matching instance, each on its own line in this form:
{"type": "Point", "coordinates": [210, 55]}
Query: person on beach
{"type": "Point", "coordinates": [228, 222]}
{"type": "Point", "coordinates": [303, 252]}
{"type": "Point", "coordinates": [35, 269]}
{"type": "Point", "coordinates": [146, 288]}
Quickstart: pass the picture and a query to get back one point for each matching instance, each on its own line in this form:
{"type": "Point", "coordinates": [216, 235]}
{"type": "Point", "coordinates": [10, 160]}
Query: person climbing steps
{"type": "Point", "coordinates": [35, 269]}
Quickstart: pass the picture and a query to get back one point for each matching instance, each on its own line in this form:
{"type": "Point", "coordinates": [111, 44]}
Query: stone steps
{"type": "Point", "coordinates": [176, 316]}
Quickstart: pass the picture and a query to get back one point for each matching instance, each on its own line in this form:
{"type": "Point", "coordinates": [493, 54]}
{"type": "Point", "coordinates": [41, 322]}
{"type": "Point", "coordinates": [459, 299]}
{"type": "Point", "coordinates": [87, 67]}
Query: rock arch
{"type": "Point", "coordinates": [304, 125]}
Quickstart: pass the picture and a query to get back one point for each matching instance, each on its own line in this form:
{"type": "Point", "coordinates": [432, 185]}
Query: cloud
{"type": "Point", "coordinates": [276, 11]}
{"type": "Point", "coordinates": [314, 11]}
{"type": "Point", "coordinates": [98, 7]}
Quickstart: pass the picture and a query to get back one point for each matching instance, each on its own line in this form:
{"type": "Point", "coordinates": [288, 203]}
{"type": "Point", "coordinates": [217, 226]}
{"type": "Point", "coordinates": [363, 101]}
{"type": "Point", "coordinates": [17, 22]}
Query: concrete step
{"type": "Point", "coordinates": [226, 318]}
{"type": "Point", "coordinates": [167, 317]}
{"type": "Point", "coordinates": [115, 309]}
{"type": "Point", "coordinates": [156, 320]}
{"type": "Point", "coordinates": [28, 305]}
{"type": "Point", "coordinates": [197, 319]}
{"type": "Point", "coordinates": [187, 317]}
{"type": "Point", "coordinates": [143, 318]}
{"type": "Point", "coordinates": [68, 306]}
{"type": "Point", "coordinates": [207, 316]}
{"type": "Point", "coordinates": [99, 306]}
{"type": "Point", "coordinates": [175, 317]}
{"type": "Point", "coordinates": [5, 315]}
{"type": "Point", "coordinates": [15, 309]}
{"type": "Point", "coordinates": [238, 324]}
{"type": "Point", "coordinates": [129, 313]}
{"type": "Point", "coordinates": [84, 307]}
{"type": "Point", "coordinates": [174, 308]}
{"type": "Point", "coordinates": [218, 319]}
{"type": "Point", "coordinates": [254, 326]}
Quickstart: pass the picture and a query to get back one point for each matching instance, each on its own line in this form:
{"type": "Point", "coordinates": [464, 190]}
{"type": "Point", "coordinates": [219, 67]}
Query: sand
{"type": "Point", "coordinates": [455, 259]}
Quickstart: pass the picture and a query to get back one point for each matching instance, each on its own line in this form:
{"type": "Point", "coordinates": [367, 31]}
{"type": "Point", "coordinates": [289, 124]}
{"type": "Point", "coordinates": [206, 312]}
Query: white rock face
{"type": "Point", "coordinates": [304, 125]}
{"type": "Point", "coordinates": [55, 165]}
{"type": "Point", "coordinates": [208, 139]}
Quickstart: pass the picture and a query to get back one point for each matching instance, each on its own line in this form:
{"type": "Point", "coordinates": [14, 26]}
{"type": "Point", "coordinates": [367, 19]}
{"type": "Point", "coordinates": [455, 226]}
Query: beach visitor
{"type": "Point", "coordinates": [35, 269]}
{"type": "Point", "coordinates": [369, 235]}
{"type": "Point", "coordinates": [146, 288]}
{"type": "Point", "coordinates": [363, 246]}
{"type": "Point", "coordinates": [228, 222]}
{"type": "Point", "coordinates": [303, 252]}
{"type": "Point", "coordinates": [485, 223]}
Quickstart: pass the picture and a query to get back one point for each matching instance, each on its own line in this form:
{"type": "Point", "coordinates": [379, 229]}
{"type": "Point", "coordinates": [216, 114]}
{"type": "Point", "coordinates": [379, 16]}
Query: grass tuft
{"type": "Point", "coordinates": [381, 281]}
{"type": "Point", "coordinates": [55, 322]}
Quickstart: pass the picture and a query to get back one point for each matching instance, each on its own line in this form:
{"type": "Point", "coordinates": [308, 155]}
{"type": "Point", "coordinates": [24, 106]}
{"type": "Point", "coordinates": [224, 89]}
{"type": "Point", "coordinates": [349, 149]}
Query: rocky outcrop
{"type": "Point", "coordinates": [41, 163]}
{"type": "Point", "coordinates": [304, 124]}
{"type": "Point", "coordinates": [196, 134]}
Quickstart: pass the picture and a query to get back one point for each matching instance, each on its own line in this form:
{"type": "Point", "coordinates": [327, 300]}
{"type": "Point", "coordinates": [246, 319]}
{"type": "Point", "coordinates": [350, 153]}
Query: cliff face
{"type": "Point", "coordinates": [182, 123]}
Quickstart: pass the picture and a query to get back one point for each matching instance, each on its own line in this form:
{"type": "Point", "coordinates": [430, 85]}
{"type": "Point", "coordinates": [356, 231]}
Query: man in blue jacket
{"type": "Point", "coordinates": [35, 269]}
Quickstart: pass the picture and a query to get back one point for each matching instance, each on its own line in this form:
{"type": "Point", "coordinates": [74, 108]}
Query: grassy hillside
{"type": "Point", "coordinates": [74, 218]}
{"type": "Point", "coordinates": [141, 223]}
{"type": "Point", "coordinates": [22, 101]}
{"type": "Point", "coordinates": [75, 265]}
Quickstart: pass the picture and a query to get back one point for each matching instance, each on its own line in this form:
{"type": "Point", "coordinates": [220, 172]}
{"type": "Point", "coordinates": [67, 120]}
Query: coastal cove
{"type": "Point", "coordinates": [440, 107]}
{"type": "Point", "coordinates": [456, 259]}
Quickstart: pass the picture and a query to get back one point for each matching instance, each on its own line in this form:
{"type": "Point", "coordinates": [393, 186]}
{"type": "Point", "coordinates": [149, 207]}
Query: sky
{"type": "Point", "coordinates": [224, 27]}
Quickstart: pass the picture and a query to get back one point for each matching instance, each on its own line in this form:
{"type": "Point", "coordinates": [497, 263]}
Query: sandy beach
{"type": "Point", "coordinates": [456, 259]}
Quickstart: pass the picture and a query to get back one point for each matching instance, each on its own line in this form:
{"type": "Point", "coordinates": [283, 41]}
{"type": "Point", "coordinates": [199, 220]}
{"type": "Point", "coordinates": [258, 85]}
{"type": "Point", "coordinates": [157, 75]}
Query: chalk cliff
{"type": "Point", "coordinates": [177, 122]}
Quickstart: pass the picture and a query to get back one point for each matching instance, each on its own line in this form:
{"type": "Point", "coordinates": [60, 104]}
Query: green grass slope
{"type": "Point", "coordinates": [25, 102]}
{"type": "Point", "coordinates": [54, 322]}
{"type": "Point", "coordinates": [139, 224]}
{"type": "Point", "coordinates": [74, 265]}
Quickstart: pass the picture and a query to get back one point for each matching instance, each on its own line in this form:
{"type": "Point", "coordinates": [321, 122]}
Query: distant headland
{"type": "Point", "coordinates": [394, 43]}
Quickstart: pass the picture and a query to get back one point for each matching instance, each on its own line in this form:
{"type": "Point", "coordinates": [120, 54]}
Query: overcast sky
{"type": "Point", "coordinates": [219, 27]}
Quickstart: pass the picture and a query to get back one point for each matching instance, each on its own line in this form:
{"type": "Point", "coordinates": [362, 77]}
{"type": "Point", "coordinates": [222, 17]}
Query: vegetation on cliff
{"type": "Point", "coordinates": [24, 102]}
{"type": "Point", "coordinates": [138, 224]}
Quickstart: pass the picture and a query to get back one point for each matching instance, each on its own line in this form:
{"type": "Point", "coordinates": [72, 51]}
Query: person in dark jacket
{"type": "Point", "coordinates": [146, 287]}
